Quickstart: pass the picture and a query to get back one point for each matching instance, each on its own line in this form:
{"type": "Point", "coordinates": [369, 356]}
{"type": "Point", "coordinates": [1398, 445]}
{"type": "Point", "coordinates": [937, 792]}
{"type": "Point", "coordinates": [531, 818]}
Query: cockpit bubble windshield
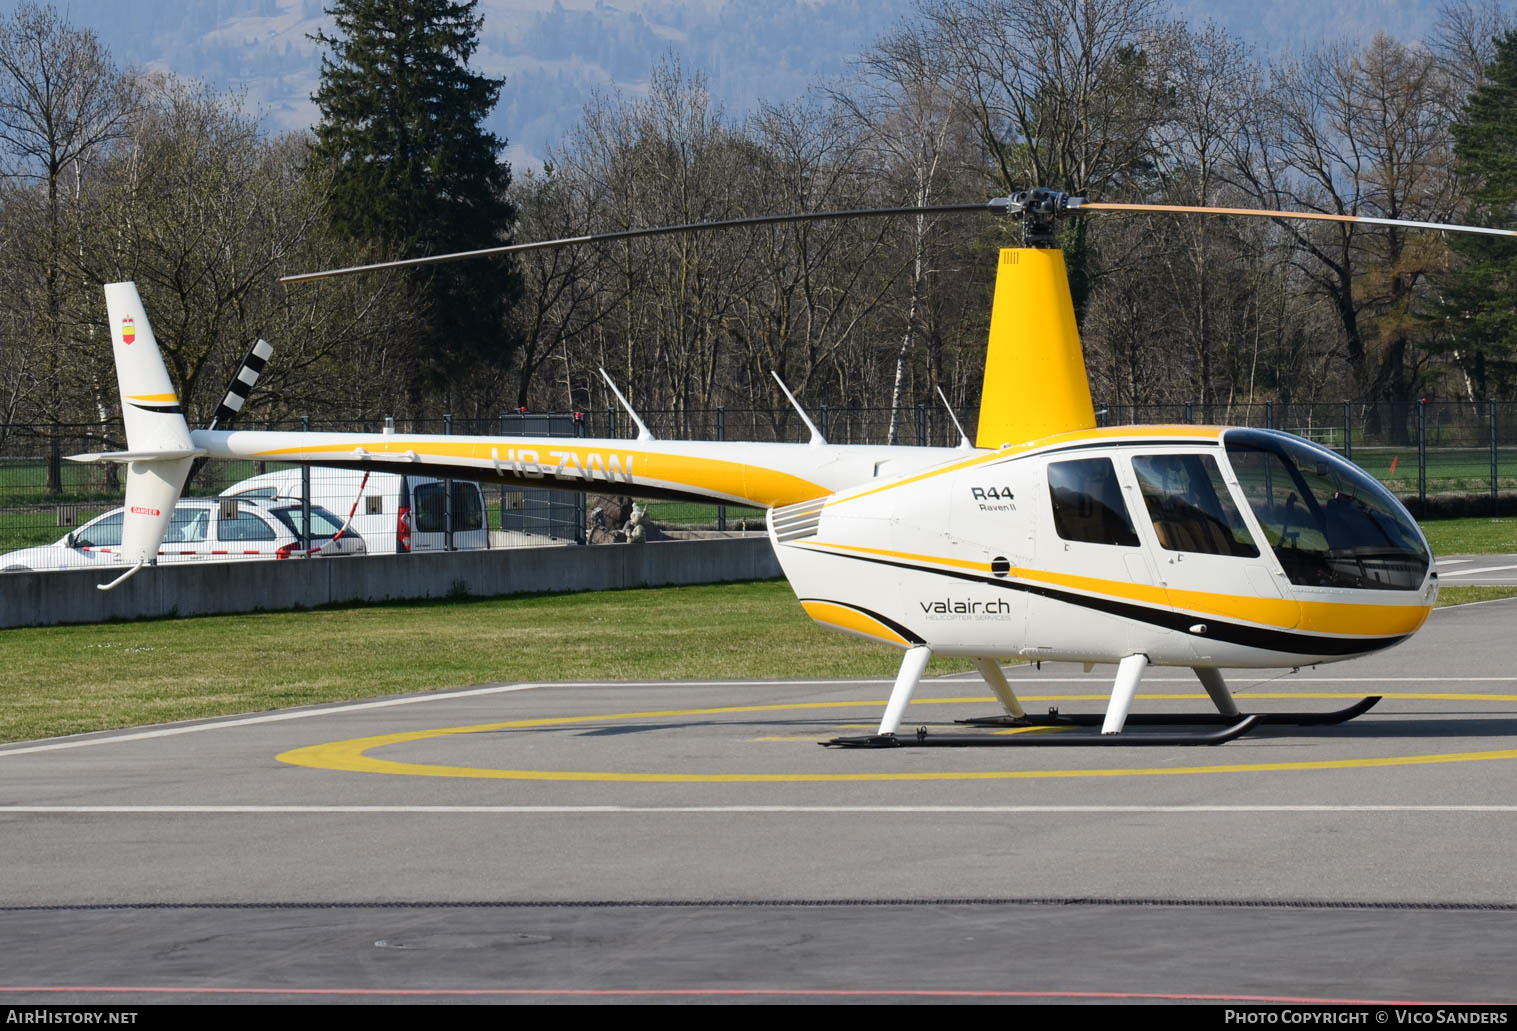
{"type": "Point", "coordinates": [1330, 523]}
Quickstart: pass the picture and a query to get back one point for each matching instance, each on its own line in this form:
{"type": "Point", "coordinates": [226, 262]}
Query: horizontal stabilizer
{"type": "Point", "coordinates": [136, 456]}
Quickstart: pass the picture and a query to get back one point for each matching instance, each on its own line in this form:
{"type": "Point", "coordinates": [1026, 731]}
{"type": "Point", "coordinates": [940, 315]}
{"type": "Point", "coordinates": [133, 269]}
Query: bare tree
{"type": "Point", "coordinates": [564, 295]}
{"type": "Point", "coordinates": [1210, 83]}
{"type": "Point", "coordinates": [916, 135]}
{"type": "Point", "coordinates": [61, 102]}
{"type": "Point", "coordinates": [205, 214]}
{"type": "Point", "coordinates": [1060, 91]}
{"type": "Point", "coordinates": [1363, 133]}
{"type": "Point", "coordinates": [1465, 38]}
{"type": "Point", "coordinates": [819, 286]}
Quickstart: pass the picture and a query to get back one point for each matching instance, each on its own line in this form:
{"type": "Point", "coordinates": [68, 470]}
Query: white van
{"type": "Point", "coordinates": [393, 512]}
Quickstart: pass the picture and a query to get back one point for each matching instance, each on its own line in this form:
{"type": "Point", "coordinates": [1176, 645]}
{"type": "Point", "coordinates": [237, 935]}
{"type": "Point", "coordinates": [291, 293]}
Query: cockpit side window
{"type": "Point", "coordinates": [1087, 503]}
{"type": "Point", "coordinates": [1190, 506]}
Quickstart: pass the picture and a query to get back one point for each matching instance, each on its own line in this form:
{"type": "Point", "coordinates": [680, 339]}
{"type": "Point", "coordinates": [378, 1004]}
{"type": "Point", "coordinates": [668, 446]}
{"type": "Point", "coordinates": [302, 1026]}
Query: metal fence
{"type": "Point", "coordinates": [1427, 452]}
{"type": "Point", "coordinates": [44, 497]}
{"type": "Point", "coordinates": [1432, 454]}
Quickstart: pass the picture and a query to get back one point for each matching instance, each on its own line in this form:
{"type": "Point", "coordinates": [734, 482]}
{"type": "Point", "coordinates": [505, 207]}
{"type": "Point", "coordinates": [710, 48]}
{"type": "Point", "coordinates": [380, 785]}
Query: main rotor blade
{"type": "Point", "coordinates": [1051, 203]}
{"type": "Point", "coordinates": [1313, 215]}
{"type": "Point", "coordinates": [998, 204]}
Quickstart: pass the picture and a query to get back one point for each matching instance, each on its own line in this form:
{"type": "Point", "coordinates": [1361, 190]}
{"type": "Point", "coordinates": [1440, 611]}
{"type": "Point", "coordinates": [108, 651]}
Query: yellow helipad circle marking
{"type": "Point", "coordinates": [350, 755]}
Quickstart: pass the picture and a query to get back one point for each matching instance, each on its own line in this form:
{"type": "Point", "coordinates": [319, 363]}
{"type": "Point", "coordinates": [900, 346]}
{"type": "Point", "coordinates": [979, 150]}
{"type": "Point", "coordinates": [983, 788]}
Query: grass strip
{"type": "Point", "coordinates": [1471, 536]}
{"type": "Point", "coordinates": [74, 679]}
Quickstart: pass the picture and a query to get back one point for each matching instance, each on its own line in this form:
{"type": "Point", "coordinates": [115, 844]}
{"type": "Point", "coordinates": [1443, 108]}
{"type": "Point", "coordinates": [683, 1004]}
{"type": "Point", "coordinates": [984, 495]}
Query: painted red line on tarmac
{"type": "Point", "coordinates": [828, 992]}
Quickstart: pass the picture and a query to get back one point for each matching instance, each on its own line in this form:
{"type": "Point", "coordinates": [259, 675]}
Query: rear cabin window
{"type": "Point", "coordinates": [323, 523]}
{"type": "Point", "coordinates": [1087, 503]}
{"type": "Point", "coordinates": [1190, 506]}
{"type": "Point", "coordinates": [245, 527]}
{"type": "Point", "coordinates": [188, 526]}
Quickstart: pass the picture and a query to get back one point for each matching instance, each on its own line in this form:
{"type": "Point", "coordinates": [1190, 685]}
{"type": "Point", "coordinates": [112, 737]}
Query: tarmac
{"type": "Point", "coordinates": [653, 842]}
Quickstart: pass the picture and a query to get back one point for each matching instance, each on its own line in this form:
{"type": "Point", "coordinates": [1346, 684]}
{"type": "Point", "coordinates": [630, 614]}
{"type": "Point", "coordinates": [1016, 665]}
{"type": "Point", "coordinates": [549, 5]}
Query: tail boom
{"type": "Point", "coordinates": [722, 472]}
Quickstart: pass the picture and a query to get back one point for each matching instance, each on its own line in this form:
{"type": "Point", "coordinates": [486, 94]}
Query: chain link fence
{"type": "Point", "coordinates": [1440, 457]}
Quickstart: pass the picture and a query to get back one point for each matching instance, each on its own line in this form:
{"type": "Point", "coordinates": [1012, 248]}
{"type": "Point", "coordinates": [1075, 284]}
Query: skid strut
{"type": "Point", "coordinates": [912, 666]}
{"type": "Point", "coordinates": [990, 670]}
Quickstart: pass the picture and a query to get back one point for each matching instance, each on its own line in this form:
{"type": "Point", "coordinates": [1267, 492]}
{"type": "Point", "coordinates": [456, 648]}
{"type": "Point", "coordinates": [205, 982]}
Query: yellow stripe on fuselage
{"type": "Point", "coordinates": [766, 488]}
{"type": "Point", "coordinates": [154, 398]}
{"type": "Point", "coordinates": [845, 618]}
{"type": "Point", "coordinates": [1342, 619]}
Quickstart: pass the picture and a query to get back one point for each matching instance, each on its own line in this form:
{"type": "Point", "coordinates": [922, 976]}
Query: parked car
{"type": "Point", "coordinates": [200, 530]}
{"type": "Point", "coordinates": [394, 512]}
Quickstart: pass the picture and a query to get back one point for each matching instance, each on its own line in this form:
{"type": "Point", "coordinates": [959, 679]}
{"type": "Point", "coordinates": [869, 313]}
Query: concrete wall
{"type": "Point", "coordinates": [46, 599]}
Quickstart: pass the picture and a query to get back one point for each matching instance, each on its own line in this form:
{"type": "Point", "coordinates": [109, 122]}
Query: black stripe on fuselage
{"type": "Point", "coordinates": [165, 409]}
{"type": "Point", "coordinates": [1216, 628]}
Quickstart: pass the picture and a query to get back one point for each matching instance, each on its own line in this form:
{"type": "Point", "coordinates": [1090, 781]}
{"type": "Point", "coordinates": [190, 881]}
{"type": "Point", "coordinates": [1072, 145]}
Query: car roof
{"type": "Point", "coordinates": [260, 504]}
{"type": "Point", "coordinates": [328, 474]}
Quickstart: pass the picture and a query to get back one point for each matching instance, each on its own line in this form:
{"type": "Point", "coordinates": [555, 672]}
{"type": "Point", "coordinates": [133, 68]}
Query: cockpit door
{"type": "Point", "coordinates": [1204, 547]}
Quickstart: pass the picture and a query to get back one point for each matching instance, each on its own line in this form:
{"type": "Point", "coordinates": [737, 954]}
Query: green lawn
{"type": "Point", "coordinates": [66, 680]}
{"type": "Point", "coordinates": [679, 514]}
{"type": "Point", "coordinates": [1464, 595]}
{"type": "Point", "coordinates": [63, 680]}
{"type": "Point", "coordinates": [1471, 536]}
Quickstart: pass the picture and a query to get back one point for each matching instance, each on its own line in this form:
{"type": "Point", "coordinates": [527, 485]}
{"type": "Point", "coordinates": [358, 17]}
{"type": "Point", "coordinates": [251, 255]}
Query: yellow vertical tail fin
{"type": "Point", "coordinates": [1035, 382]}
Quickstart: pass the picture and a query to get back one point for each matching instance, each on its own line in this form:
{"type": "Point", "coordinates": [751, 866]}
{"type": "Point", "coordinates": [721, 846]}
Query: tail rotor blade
{"type": "Point", "coordinates": [242, 384]}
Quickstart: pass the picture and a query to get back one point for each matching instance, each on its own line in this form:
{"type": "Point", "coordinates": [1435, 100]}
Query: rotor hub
{"type": "Point", "coordinates": [1040, 210]}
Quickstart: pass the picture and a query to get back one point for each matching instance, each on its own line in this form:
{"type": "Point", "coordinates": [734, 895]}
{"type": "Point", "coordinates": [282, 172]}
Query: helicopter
{"type": "Point", "coordinates": [1047, 538]}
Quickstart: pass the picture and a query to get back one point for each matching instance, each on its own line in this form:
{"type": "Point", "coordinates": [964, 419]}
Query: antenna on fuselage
{"type": "Point", "coordinates": [643, 433]}
{"type": "Point", "coordinates": [816, 434]}
{"type": "Point", "coordinates": [963, 437]}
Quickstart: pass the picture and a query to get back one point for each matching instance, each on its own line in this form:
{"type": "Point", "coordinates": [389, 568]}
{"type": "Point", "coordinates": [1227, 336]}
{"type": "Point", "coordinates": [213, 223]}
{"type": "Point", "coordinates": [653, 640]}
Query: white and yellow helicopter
{"type": "Point", "coordinates": [1205, 547]}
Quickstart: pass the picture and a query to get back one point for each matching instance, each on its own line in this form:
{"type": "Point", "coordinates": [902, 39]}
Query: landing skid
{"type": "Point", "coordinates": [924, 739]}
{"type": "Point", "coordinates": [1055, 718]}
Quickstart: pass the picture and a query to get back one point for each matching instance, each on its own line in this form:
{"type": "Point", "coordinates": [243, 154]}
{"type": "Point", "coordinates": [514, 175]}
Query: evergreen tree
{"type": "Point", "coordinates": [413, 170]}
{"type": "Point", "coordinates": [1478, 292]}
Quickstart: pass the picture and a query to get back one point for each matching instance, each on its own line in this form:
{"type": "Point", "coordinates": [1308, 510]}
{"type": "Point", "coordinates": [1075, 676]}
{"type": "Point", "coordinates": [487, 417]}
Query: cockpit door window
{"type": "Point", "coordinates": [1190, 506]}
